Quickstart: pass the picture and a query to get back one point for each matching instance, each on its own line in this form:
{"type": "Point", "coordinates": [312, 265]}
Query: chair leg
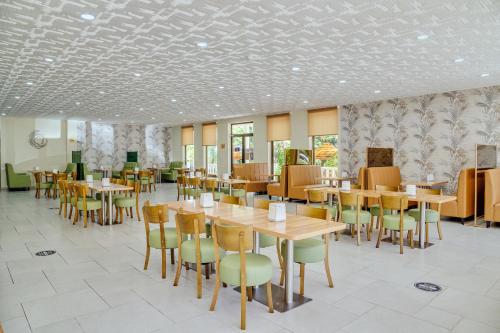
{"type": "Point", "coordinates": [243, 318]}
{"type": "Point", "coordinates": [146, 260]}
{"type": "Point", "coordinates": [163, 263]}
{"type": "Point", "coordinates": [60, 207]}
{"type": "Point", "coordinates": [85, 219]}
{"type": "Point", "coordinates": [440, 232]}
{"type": "Point", "coordinates": [137, 212]}
{"type": "Point", "coordinates": [178, 270]}
{"type": "Point", "coordinates": [70, 211]}
{"type": "Point", "coordinates": [249, 294]}
{"type": "Point", "coordinates": [172, 257]}
{"type": "Point", "coordinates": [327, 268]}
{"type": "Point", "coordinates": [207, 271]}
{"type": "Point", "coordinates": [368, 232]}
{"type": "Point", "coordinates": [216, 290]}
{"type": "Point", "coordinates": [131, 213]}
{"type": "Point", "coordinates": [269, 293]}
{"type": "Point", "coordinates": [99, 218]}
{"type": "Point", "coordinates": [400, 241]}
{"type": "Point", "coordinates": [65, 208]}
{"type": "Point", "coordinates": [411, 238]}
{"type": "Point", "coordinates": [302, 277]}
{"type": "Point", "coordinates": [426, 234]}
{"type": "Point", "coordinates": [380, 231]}
{"type": "Point", "coordinates": [187, 266]}
{"type": "Point", "coordinates": [198, 279]}
{"type": "Point", "coordinates": [92, 215]}
{"type": "Point", "coordinates": [121, 215]}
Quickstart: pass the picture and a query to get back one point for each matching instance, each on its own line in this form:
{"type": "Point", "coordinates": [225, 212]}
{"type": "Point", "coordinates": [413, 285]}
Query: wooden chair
{"type": "Point", "coordinates": [161, 238]}
{"type": "Point", "coordinates": [375, 209]}
{"type": "Point", "coordinates": [64, 197]}
{"type": "Point", "coordinates": [144, 179]}
{"type": "Point", "coordinates": [197, 250]}
{"type": "Point", "coordinates": [396, 222]}
{"type": "Point", "coordinates": [194, 187]}
{"type": "Point", "coordinates": [72, 197]}
{"type": "Point", "coordinates": [181, 186]}
{"type": "Point", "coordinates": [57, 177]}
{"type": "Point", "coordinates": [40, 185]}
{"type": "Point", "coordinates": [350, 204]}
{"type": "Point", "coordinates": [212, 186]}
{"type": "Point", "coordinates": [317, 195]}
{"type": "Point", "coordinates": [128, 201]}
{"type": "Point", "coordinates": [153, 173]}
{"type": "Point", "coordinates": [310, 250]}
{"type": "Point", "coordinates": [85, 204]}
{"type": "Point", "coordinates": [240, 269]}
{"type": "Point", "coordinates": [231, 199]}
{"type": "Point", "coordinates": [431, 215]}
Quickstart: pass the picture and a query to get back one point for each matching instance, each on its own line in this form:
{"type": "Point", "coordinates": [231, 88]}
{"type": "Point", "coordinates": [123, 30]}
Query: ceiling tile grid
{"type": "Point", "coordinates": [179, 61]}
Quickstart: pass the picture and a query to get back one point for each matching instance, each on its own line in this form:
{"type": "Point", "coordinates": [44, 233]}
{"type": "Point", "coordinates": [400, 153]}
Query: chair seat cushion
{"type": "Point", "coordinates": [125, 202]}
{"type": "Point", "coordinates": [194, 192]}
{"type": "Point", "coordinates": [349, 216]}
{"type": "Point", "coordinates": [63, 198]}
{"type": "Point", "coordinates": [207, 250]}
{"type": "Point", "coordinates": [266, 241]}
{"type": "Point", "coordinates": [391, 222]}
{"type": "Point", "coordinates": [259, 269]}
{"type": "Point", "coordinates": [431, 215]}
{"type": "Point", "coordinates": [375, 210]}
{"type": "Point", "coordinates": [235, 192]}
{"type": "Point", "coordinates": [92, 204]}
{"type": "Point", "coordinates": [170, 238]}
{"type": "Point", "coordinates": [44, 185]}
{"type": "Point", "coordinates": [308, 250]}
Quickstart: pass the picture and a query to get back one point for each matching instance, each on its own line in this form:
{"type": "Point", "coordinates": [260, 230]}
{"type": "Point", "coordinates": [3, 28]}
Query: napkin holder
{"type": "Point", "coordinates": [89, 179]}
{"type": "Point", "coordinates": [346, 185]}
{"type": "Point", "coordinates": [411, 190]}
{"type": "Point", "coordinates": [105, 182]}
{"type": "Point", "coordinates": [37, 168]}
{"type": "Point", "coordinates": [430, 178]}
{"type": "Point", "coordinates": [191, 174]}
{"type": "Point", "coordinates": [206, 200]}
{"type": "Point", "coordinates": [55, 171]}
{"type": "Point", "coordinates": [225, 176]}
{"type": "Point", "coordinates": [277, 212]}
{"type": "Point", "coordinates": [198, 174]}
{"type": "Point", "coordinates": [136, 169]}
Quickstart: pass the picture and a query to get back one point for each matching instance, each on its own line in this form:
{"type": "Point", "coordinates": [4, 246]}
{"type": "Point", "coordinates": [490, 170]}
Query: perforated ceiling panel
{"type": "Point", "coordinates": [146, 61]}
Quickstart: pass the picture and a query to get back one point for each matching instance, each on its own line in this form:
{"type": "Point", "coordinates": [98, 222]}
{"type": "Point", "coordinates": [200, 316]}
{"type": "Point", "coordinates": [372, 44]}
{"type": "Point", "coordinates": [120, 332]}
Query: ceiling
{"type": "Point", "coordinates": [139, 56]}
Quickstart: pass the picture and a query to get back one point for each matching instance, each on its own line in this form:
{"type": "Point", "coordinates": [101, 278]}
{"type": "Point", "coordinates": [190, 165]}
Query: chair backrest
{"type": "Point", "coordinates": [157, 214]}
{"type": "Point", "coordinates": [394, 202]}
{"type": "Point", "coordinates": [355, 187]}
{"type": "Point", "coordinates": [350, 199]}
{"type": "Point", "coordinates": [211, 184]}
{"type": "Point", "coordinates": [63, 187]}
{"type": "Point", "coordinates": [144, 174]}
{"type": "Point", "coordinates": [181, 181]}
{"type": "Point", "coordinates": [202, 170]}
{"type": "Point", "coordinates": [80, 191]}
{"type": "Point", "coordinates": [233, 238]}
{"type": "Point", "coordinates": [230, 199]}
{"type": "Point", "coordinates": [316, 195]}
{"type": "Point", "coordinates": [386, 188]}
{"type": "Point", "coordinates": [190, 223]}
{"type": "Point", "coordinates": [262, 203]}
{"type": "Point", "coordinates": [435, 191]}
{"type": "Point", "coordinates": [9, 169]}
{"type": "Point", "coordinates": [194, 182]}
{"type": "Point", "coordinates": [175, 165]}
{"type": "Point", "coordinates": [130, 165]}
{"type": "Point", "coordinates": [314, 212]}
{"type": "Point", "coordinates": [135, 184]}
{"type": "Point", "coordinates": [251, 171]}
{"type": "Point", "coordinates": [38, 177]}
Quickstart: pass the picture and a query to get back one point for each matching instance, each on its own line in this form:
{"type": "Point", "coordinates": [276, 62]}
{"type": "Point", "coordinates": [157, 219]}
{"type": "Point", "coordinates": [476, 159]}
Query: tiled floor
{"type": "Point", "coordinates": [96, 282]}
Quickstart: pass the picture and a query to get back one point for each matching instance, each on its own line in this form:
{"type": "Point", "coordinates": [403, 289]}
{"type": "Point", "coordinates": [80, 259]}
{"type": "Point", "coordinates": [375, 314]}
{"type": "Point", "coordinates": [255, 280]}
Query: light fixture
{"type": "Point", "coordinates": [99, 119]}
{"type": "Point", "coordinates": [9, 107]}
{"type": "Point", "coordinates": [253, 109]}
{"type": "Point", "coordinates": [295, 69]}
{"type": "Point", "coordinates": [342, 81]}
{"type": "Point", "coordinates": [215, 115]}
{"type": "Point", "coordinates": [180, 112]}
{"type": "Point", "coordinates": [49, 59]}
{"type": "Point", "coordinates": [16, 97]}
{"type": "Point", "coordinates": [137, 74]}
{"type": "Point", "coordinates": [77, 103]}
{"type": "Point", "coordinates": [217, 105]}
{"type": "Point", "coordinates": [101, 92]}
{"type": "Point", "coordinates": [485, 75]}
{"type": "Point", "coordinates": [422, 37]}
{"type": "Point", "coordinates": [221, 87]}
{"type": "Point", "coordinates": [268, 95]}
{"type": "Point", "coordinates": [173, 100]}
{"type": "Point", "coordinates": [117, 115]}
{"type": "Point", "coordinates": [61, 111]}
{"type": "Point", "coordinates": [202, 45]}
{"type": "Point", "coordinates": [87, 17]}
{"type": "Point", "coordinates": [377, 91]}
{"type": "Point", "coordinates": [458, 60]}
{"type": "Point", "coordinates": [305, 102]}
{"type": "Point", "coordinates": [29, 83]}
{"type": "Point", "coordinates": [4, 114]}
{"type": "Point", "coordinates": [153, 118]}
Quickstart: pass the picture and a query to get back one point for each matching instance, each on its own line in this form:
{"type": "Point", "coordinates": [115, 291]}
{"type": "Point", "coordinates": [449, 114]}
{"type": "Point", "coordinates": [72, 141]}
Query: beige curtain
{"type": "Point", "coordinates": [209, 134]}
{"type": "Point", "coordinates": [278, 127]}
{"type": "Point", "coordinates": [323, 121]}
{"type": "Point", "coordinates": [187, 135]}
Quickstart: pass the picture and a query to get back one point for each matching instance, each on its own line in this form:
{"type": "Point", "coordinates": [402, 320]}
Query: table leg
{"type": "Point", "coordinates": [289, 272]}
{"type": "Point", "coordinates": [230, 189]}
{"type": "Point", "coordinates": [421, 226]}
{"type": "Point", "coordinates": [256, 245]}
{"type": "Point", "coordinates": [103, 205]}
{"type": "Point", "coordinates": [110, 208]}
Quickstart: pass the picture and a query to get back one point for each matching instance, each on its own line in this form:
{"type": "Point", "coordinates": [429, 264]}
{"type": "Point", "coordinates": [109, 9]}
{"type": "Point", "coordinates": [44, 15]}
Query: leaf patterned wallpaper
{"type": "Point", "coordinates": [107, 144]}
{"type": "Point", "coordinates": [430, 134]}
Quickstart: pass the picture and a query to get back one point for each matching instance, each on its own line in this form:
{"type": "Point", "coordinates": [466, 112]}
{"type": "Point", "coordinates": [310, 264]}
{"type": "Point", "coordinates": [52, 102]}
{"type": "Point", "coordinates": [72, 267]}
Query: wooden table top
{"type": "Point", "coordinates": [97, 186]}
{"type": "Point", "coordinates": [294, 228]}
{"type": "Point", "coordinates": [420, 197]}
{"type": "Point", "coordinates": [424, 183]}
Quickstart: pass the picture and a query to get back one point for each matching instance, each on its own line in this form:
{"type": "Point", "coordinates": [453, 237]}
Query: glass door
{"type": "Point", "coordinates": [237, 150]}
{"type": "Point", "coordinates": [248, 149]}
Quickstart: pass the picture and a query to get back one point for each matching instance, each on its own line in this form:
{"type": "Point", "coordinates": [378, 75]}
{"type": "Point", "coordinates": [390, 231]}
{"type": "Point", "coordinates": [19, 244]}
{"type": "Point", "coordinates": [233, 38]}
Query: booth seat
{"type": "Point", "coordinates": [387, 176]}
{"type": "Point", "coordinates": [492, 196]}
{"type": "Point", "coordinates": [463, 206]}
{"type": "Point", "coordinates": [255, 173]}
{"type": "Point", "coordinates": [279, 189]}
{"type": "Point", "coordinates": [301, 177]}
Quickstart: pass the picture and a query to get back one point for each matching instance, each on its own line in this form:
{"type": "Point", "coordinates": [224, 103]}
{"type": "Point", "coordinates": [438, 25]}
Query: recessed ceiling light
{"type": "Point", "coordinates": [342, 81]}
{"type": "Point", "coordinates": [117, 115]}
{"type": "Point", "coordinates": [485, 75]}
{"type": "Point", "coordinates": [180, 112]}
{"type": "Point", "coordinates": [101, 92]}
{"type": "Point", "coordinates": [423, 37]}
{"type": "Point", "coordinates": [137, 74]}
{"type": "Point", "coordinates": [29, 83]}
{"type": "Point", "coordinates": [61, 111]}
{"type": "Point", "coordinates": [295, 69]}
{"type": "Point", "coordinates": [77, 103]}
{"type": "Point", "coordinates": [253, 109]}
{"type": "Point", "coordinates": [217, 105]}
{"type": "Point", "coordinates": [4, 114]}
{"type": "Point", "coordinates": [221, 87]}
{"type": "Point", "coordinates": [215, 115]}
{"type": "Point", "coordinates": [49, 59]}
{"type": "Point", "coordinates": [99, 119]}
{"type": "Point", "coordinates": [183, 119]}
{"type": "Point", "coordinates": [305, 102]}
{"type": "Point", "coordinates": [377, 91]}
{"type": "Point", "coordinates": [16, 97]}
{"type": "Point", "coordinates": [153, 118]}
{"type": "Point", "coordinates": [87, 17]}
{"type": "Point", "coordinates": [9, 107]}
{"type": "Point", "coordinates": [202, 44]}
{"type": "Point", "coordinates": [459, 60]}
{"type": "Point", "coordinates": [173, 100]}
{"type": "Point", "coordinates": [268, 95]}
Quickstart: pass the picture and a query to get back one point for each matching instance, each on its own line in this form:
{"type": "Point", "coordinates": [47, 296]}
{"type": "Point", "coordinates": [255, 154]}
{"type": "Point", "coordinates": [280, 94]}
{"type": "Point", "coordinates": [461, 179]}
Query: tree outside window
{"type": "Point", "coordinates": [325, 150]}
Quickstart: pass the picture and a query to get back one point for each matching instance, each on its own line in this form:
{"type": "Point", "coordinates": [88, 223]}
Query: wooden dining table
{"type": "Point", "coordinates": [294, 228]}
{"type": "Point", "coordinates": [228, 181]}
{"type": "Point", "coordinates": [422, 198]}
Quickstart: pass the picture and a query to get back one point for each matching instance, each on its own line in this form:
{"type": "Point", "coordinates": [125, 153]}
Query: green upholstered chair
{"type": "Point", "coordinates": [169, 174]}
{"type": "Point", "coordinates": [85, 204]}
{"type": "Point", "coordinates": [351, 213]}
{"type": "Point", "coordinates": [212, 186]}
{"type": "Point", "coordinates": [161, 238]}
{"type": "Point", "coordinates": [242, 269]}
{"type": "Point", "coordinates": [398, 222]}
{"type": "Point", "coordinates": [432, 216]}
{"type": "Point", "coordinates": [41, 185]}
{"type": "Point", "coordinates": [95, 175]}
{"type": "Point", "coordinates": [310, 250]}
{"type": "Point", "coordinates": [194, 188]}
{"type": "Point", "coordinates": [128, 201]}
{"type": "Point", "coordinates": [265, 240]}
{"type": "Point", "coordinates": [375, 209]}
{"type": "Point", "coordinates": [70, 171]}
{"type": "Point", "coordinates": [16, 180]}
{"type": "Point", "coordinates": [197, 250]}
{"type": "Point", "coordinates": [317, 198]}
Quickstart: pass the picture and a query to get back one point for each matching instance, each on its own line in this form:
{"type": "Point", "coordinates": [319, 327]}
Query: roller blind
{"type": "Point", "coordinates": [209, 134]}
{"type": "Point", "coordinates": [187, 135]}
{"type": "Point", "coordinates": [323, 122]}
{"type": "Point", "coordinates": [278, 127]}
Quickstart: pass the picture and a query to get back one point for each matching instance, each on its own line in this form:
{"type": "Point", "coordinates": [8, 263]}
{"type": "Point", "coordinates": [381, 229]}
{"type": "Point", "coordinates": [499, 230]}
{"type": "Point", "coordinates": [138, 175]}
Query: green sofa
{"type": "Point", "coordinates": [16, 180]}
{"type": "Point", "coordinates": [169, 174]}
{"type": "Point", "coordinates": [126, 166]}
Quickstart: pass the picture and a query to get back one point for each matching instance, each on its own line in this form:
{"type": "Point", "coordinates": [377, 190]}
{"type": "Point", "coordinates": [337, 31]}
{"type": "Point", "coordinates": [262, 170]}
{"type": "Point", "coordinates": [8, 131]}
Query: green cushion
{"type": "Point", "coordinates": [144, 180]}
{"type": "Point", "coordinates": [431, 215]}
{"type": "Point", "coordinates": [266, 241]}
{"type": "Point", "coordinates": [259, 269]}
{"type": "Point", "coordinates": [63, 198]}
{"type": "Point", "coordinates": [92, 204]}
{"type": "Point", "coordinates": [170, 238]}
{"type": "Point", "coordinates": [349, 216]}
{"type": "Point", "coordinates": [391, 222]}
{"type": "Point", "coordinates": [237, 192]}
{"type": "Point", "coordinates": [194, 192]}
{"type": "Point", "coordinates": [375, 210]}
{"type": "Point", "coordinates": [188, 249]}
{"type": "Point", "coordinates": [125, 202]}
{"type": "Point", "coordinates": [45, 185]}
{"type": "Point", "coordinates": [308, 250]}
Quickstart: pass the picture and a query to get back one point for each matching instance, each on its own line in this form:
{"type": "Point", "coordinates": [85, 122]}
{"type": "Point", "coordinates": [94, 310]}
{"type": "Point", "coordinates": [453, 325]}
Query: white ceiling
{"type": "Point", "coordinates": [252, 47]}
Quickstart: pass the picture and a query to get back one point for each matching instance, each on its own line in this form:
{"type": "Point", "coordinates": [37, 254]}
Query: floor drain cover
{"type": "Point", "coordinates": [45, 253]}
{"type": "Point", "coordinates": [427, 286]}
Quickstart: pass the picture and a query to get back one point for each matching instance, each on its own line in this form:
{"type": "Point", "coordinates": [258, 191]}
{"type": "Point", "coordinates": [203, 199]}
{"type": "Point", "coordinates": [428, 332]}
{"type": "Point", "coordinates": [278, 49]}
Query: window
{"type": "Point", "coordinates": [211, 159]}
{"type": "Point", "coordinates": [323, 130]}
{"type": "Point", "coordinates": [278, 155]}
{"type": "Point", "coordinates": [188, 146]}
{"type": "Point", "coordinates": [325, 150]}
{"type": "Point", "coordinates": [189, 156]}
{"type": "Point", "coordinates": [210, 147]}
{"type": "Point", "coordinates": [241, 143]}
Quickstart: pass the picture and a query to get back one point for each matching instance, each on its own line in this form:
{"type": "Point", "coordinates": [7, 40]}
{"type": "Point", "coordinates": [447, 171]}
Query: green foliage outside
{"type": "Point", "coordinates": [279, 155]}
